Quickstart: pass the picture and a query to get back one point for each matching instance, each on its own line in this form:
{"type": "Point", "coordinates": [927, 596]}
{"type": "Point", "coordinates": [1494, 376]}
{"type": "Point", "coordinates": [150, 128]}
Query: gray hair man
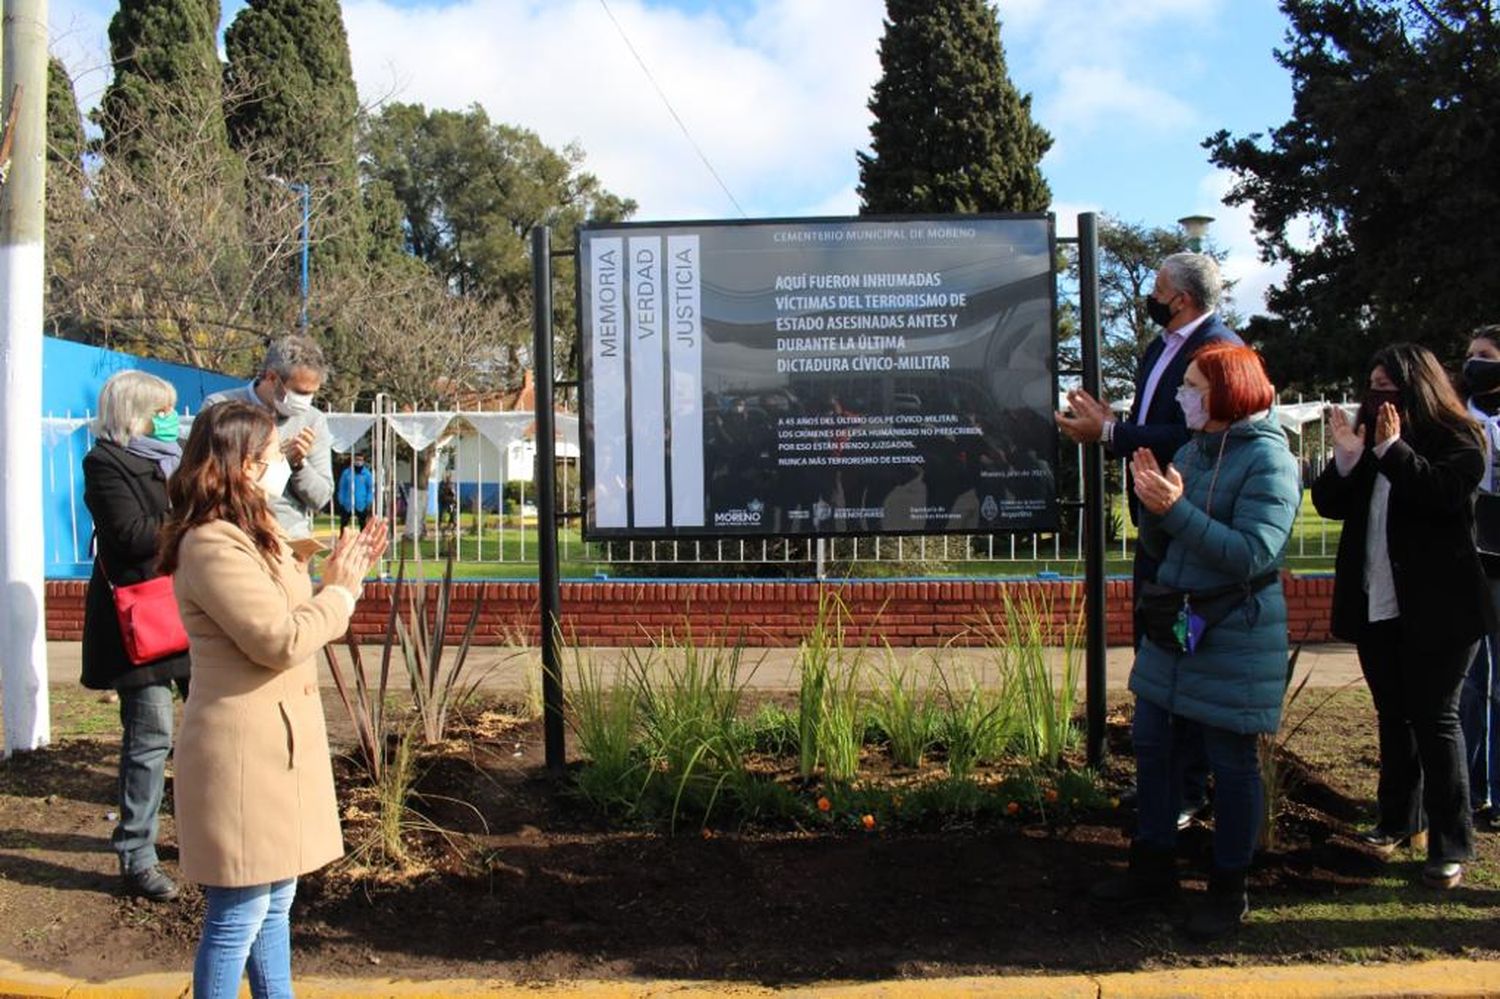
{"type": "Point", "coordinates": [293, 372]}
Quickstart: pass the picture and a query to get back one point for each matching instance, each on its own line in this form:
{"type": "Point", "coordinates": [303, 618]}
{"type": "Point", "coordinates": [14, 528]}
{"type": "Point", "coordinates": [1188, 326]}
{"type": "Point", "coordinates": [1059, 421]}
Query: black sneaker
{"type": "Point", "coordinates": [1387, 843]}
{"type": "Point", "coordinates": [150, 883]}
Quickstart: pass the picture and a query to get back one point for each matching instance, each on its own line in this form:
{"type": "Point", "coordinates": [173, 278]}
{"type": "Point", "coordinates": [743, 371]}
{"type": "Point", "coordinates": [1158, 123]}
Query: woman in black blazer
{"type": "Point", "coordinates": [1409, 592]}
{"type": "Point", "coordinates": [125, 488]}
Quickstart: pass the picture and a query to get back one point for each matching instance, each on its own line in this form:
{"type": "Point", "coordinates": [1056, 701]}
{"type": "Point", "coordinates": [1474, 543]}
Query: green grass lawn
{"type": "Point", "coordinates": [511, 553]}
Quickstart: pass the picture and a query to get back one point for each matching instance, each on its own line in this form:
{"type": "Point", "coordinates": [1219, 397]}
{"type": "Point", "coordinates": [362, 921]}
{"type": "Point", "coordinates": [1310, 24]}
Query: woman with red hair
{"type": "Point", "coordinates": [1213, 663]}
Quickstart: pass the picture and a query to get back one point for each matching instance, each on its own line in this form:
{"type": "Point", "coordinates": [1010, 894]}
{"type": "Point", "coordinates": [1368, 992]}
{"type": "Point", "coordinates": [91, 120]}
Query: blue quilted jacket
{"type": "Point", "coordinates": [1236, 677]}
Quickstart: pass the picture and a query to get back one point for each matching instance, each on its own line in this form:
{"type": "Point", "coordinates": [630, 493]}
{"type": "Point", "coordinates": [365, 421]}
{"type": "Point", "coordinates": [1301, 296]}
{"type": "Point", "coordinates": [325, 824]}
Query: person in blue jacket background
{"type": "Point", "coordinates": [1218, 517]}
{"type": "Point", "coordinates": [356, 492]}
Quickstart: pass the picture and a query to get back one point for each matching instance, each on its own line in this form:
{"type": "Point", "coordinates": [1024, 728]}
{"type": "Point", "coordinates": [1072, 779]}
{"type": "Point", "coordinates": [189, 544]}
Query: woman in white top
{"type": "Point", "coordinates": [1409, 591]}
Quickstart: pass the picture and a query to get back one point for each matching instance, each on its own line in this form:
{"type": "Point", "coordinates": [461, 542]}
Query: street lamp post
{"type": "Point", "coordinates": [1195, 226]}
{"type": "Point", "coordinates": [305, 192]}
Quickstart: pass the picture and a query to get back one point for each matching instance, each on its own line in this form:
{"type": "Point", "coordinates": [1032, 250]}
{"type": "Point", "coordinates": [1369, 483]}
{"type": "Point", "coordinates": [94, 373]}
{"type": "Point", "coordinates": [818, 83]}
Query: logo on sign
{"type": "Point", "coordinates": [821, 512]}
{"type": "Point", "coordinates": [749, 515]}
{"type": "Point", "coordinates": [989, 508]}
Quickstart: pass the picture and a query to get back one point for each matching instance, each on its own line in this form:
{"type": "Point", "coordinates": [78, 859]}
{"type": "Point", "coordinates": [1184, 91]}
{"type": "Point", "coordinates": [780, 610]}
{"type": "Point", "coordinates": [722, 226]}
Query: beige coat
{"type": "Point", "coordinates": [254, 784]}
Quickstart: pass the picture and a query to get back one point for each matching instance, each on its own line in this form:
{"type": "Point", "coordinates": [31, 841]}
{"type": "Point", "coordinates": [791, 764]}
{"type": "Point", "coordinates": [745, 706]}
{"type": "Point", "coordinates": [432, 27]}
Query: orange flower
{"type": "Point", "coordinates": [1051, 795]}
{"type": "Point", "coordinates": [824, 805]}
{"type": "Point", "coordinates": [1013, 808]}
{"type": "Point", "coordinates": [868, 821]}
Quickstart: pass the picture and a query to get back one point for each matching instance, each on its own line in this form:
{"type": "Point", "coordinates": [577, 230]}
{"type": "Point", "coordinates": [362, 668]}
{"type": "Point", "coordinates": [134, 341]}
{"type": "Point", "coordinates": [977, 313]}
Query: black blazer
{"type": "Point", "coordinates": [127, 496]}
{"type": "Point", "coordinates": [1440, 586]}
{"type": "Point", "coordinates": [1164, 429]}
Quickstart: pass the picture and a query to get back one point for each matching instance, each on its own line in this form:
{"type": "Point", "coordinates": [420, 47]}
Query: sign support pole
{"type": "Point", "coordinates": [548, 572]}
{"type": "Point", "coordinates": [1093, 490]}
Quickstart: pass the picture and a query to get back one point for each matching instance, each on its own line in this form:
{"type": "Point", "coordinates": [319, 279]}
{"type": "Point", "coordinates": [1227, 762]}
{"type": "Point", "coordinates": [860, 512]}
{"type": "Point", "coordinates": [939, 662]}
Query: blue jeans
{"type": "Point", "coordinates": [246, 929]}
{"type": "Point", "coordinates": [1163, 749]}
{"type": "Point", "coordinates": [146, 720]}
{"type": "Point", "coordinates": [1479, 716]}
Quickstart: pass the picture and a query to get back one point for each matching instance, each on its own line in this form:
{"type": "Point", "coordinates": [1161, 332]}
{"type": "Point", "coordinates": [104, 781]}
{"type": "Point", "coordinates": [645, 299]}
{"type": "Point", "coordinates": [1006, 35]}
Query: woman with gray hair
{"type": "Point", "coordinates": [125, 487]}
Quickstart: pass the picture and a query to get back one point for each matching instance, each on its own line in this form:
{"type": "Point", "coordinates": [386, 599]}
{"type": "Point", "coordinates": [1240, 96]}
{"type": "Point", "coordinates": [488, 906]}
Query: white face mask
{"type": "Point", "coordinates": [273, 480]}
{"type": "Point", "coordinates": [1194, 405]}
{"type": "Point", "coordinates": [294, 402]}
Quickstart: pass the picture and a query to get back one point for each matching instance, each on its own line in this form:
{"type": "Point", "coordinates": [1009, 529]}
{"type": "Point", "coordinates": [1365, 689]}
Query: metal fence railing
{"type": "Point", "coordinates": [493, 530]}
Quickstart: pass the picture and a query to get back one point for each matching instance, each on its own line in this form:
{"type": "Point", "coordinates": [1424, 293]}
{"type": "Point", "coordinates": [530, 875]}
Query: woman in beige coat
{"type": "Point", "coordinates": [254, 786]}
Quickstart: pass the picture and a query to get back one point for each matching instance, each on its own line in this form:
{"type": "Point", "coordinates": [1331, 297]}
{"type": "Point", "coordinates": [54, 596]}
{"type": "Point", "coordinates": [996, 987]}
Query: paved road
{"type": "Point", "coordinates": [511, 671]}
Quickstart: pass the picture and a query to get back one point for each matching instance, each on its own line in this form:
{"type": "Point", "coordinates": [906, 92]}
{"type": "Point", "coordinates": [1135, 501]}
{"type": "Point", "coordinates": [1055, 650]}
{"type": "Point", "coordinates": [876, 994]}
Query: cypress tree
{"type": "Point", "coordinates": [293, 106]}
{"type": "Point", "coordinates": [65, 143]}
{"type": "Point", "coordinates": [951, 132]}
{"type": "Point", "coordinates": [167, 75]}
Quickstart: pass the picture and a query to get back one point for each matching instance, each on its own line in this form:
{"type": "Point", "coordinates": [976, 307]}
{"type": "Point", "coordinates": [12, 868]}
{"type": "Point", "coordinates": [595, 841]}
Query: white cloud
{"type": "Point", "coordinates": [1234, 231]}
{"type": "Point", "coordinates": [1104, 62]}
{"type": "Point", "coordinates": [1088, 95]}
{"type": "Point", "coordinates": [1067, 213]}
{"type": "Point", "coordinates": [776, 103]}
{"type": "Point", "coordinates": [78, 34]}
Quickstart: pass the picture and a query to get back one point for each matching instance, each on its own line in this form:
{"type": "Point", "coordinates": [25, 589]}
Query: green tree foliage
{"type": "Point", "coordinates": [469, 192]}
{"type": "Point", "coordinates": [1130, 254]}
{"type": "Point", "coordinates": [295, 103]}
{"type": "Point", "coordinates": [1382, 190]}
{"type": "Point", "coordinates": [166, 60]}
{"type": "Point", "coordinates": [951, 132]}
{"type": "Point", "coordinates": [65, 142]}
{"type": "Point", "coordinates": [65, 191]}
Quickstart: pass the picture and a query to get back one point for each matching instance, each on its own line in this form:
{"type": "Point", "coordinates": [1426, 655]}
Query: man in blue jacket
{"type": "Point", "coordinates": [1183, 302]}
{"type": "Point", "coordinates": [356, 492]}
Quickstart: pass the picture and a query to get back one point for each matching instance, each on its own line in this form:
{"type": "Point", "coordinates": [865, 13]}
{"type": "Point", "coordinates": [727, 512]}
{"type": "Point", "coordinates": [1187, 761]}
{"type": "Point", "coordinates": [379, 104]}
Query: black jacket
{"type": "Point", "coordinates": [1440, 586]}
{"type": "Point", "coordinates": [127, 496]}
{"type": "Point", "coordinates": [1164, 430]}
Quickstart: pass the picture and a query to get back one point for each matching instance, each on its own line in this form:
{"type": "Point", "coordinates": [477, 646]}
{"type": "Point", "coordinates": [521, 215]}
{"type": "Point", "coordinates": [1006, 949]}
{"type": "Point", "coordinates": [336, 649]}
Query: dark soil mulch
{"type": "Point", "coordinates": [543, 889]}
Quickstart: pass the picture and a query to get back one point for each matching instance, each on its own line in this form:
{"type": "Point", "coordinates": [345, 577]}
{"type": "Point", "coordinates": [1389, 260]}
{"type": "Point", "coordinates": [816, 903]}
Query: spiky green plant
{"type": "Point", "coordinates": [904, 708]}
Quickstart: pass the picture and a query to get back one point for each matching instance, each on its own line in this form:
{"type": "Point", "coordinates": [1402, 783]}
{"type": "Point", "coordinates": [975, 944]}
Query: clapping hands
{"type": "Point", "coordinates": [354, 554]}
{"type": "Point", "coordinates": [1349, 441]}
{"type": "Point", "coordinates": [1157, 490]}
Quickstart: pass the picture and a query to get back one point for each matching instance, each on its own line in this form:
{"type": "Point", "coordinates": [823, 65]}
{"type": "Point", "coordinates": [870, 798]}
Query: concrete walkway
{"type": "Point", "coordinates": [513, 670]}
{"type": "Point", "coordinates": [1429, 978]}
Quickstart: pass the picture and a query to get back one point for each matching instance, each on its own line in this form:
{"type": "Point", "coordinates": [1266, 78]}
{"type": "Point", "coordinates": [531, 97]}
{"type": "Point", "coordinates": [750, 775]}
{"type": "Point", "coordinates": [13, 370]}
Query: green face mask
{"type": "Point", "coordinates": [164, 427]}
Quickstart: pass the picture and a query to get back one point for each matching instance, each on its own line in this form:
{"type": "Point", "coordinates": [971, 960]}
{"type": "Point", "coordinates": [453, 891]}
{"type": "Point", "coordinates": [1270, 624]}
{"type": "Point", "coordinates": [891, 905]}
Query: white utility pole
{"type": "Point", "coordinates": [23, 628]}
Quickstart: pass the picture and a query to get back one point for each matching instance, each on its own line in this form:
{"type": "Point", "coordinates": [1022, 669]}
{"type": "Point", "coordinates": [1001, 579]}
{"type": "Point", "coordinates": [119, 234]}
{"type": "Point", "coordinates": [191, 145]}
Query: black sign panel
{"type": "Point", "coordinates": [819, 377]}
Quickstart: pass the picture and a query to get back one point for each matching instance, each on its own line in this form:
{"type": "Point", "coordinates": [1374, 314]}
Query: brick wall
{"type": "Point", "coordinates": [764, 613]}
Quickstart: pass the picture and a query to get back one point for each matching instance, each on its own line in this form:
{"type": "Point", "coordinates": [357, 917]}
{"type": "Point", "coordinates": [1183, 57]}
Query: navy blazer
{"type": "Point", "coordinates": [1165, 429]}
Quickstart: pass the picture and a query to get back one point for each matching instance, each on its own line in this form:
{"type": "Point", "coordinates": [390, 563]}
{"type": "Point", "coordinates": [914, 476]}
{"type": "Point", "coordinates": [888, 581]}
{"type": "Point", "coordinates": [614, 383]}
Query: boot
{"type": "Point", "coordinates": [149, 883]}
{"type": "Point", "coordinates": [1220, 911]}
{"type": "Point", "coordinates": [1151, 877]}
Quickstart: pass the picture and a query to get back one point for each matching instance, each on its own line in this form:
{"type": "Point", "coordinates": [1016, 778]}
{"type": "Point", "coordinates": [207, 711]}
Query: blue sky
{"type": "Point", "coordinates": [774, 93]}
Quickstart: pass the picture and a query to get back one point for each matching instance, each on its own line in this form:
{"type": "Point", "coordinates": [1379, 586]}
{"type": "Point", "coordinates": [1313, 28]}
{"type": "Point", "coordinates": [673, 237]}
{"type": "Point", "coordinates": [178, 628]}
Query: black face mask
{"type": "Point", "coordinates": [1481, 375]}
{"type": "Point", "coordinates": [1370, 408]}
{"type": "Point", "coordinates": [1159, 311]}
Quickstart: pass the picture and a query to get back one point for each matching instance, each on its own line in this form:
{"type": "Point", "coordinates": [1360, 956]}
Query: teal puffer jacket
{"type": "Point", "coordinates": [1237, 676]}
